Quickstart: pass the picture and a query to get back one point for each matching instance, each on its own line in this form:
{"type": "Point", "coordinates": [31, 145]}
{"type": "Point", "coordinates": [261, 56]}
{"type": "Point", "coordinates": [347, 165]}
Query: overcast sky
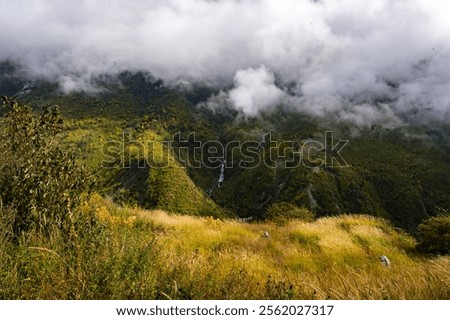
{"type": "Point", "coordinates": [331, 54]}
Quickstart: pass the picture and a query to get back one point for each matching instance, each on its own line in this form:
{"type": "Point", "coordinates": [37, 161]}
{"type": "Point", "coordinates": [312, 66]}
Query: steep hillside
{"type": "Point", "coordinates": [135, 167]}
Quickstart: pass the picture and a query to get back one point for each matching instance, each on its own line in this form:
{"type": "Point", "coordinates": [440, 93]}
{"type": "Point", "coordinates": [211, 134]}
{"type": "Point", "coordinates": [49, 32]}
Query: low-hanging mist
{"type": "Point", "coordinates": [365, 62]}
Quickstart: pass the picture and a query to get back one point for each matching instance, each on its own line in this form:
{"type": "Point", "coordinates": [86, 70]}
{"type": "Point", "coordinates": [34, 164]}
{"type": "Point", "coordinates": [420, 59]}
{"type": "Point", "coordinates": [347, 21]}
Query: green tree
{"type": "Point", "coordinates": [39, 181]}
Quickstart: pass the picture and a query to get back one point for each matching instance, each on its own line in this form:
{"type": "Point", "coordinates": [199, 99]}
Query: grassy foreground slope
{"type": "Point", "coordinates": [139, 254]}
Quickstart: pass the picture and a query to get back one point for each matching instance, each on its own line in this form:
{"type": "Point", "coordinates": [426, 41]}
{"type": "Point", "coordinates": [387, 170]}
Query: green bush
{"type": "Point", "coordinates": [435, 235]}
{"type": "Point", "coordinates": [39, 181]}
{"type": "Point", "coordinates": [281, 212]}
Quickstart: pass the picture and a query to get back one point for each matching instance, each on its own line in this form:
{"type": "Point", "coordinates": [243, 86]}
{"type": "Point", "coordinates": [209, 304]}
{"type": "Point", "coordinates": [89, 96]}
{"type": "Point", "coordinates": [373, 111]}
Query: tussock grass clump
{"type": "Point", "coordinates": [309, 242]}
{"type": "Point", "coordinates": [104, 259]}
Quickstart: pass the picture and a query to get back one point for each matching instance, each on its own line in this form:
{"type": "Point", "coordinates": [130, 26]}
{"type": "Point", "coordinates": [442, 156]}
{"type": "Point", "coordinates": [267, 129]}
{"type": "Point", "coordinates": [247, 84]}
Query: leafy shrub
{"type": "Point", "coordinates": [281, 212]}
{"type": "Point", "coordinates": [42, 183]}
{"type": "Point", "coordinates": [435, 235]}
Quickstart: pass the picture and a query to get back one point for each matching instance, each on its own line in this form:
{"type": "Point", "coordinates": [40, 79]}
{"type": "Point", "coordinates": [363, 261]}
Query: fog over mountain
{"type": "Point", "coordinates": [373, 61]}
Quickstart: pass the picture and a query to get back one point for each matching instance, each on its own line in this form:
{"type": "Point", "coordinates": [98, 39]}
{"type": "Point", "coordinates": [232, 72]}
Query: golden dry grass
{"type": "Point", "coordinates": [331, 258]}
{"type": "Point", "coordinates": [139, 254]}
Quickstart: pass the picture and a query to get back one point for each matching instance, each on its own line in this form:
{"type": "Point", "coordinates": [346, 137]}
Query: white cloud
{"type": "Point", "coordinates": [255, 90]}
{"type": "Point", "coordinates": [330, 53]}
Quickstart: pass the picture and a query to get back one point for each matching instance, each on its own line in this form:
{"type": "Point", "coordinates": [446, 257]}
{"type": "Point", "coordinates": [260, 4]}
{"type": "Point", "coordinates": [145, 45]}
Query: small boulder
{"type": "Point", "coordinates": [385, 261]}
{"type": "Point", "coordinates": [265, 235]}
